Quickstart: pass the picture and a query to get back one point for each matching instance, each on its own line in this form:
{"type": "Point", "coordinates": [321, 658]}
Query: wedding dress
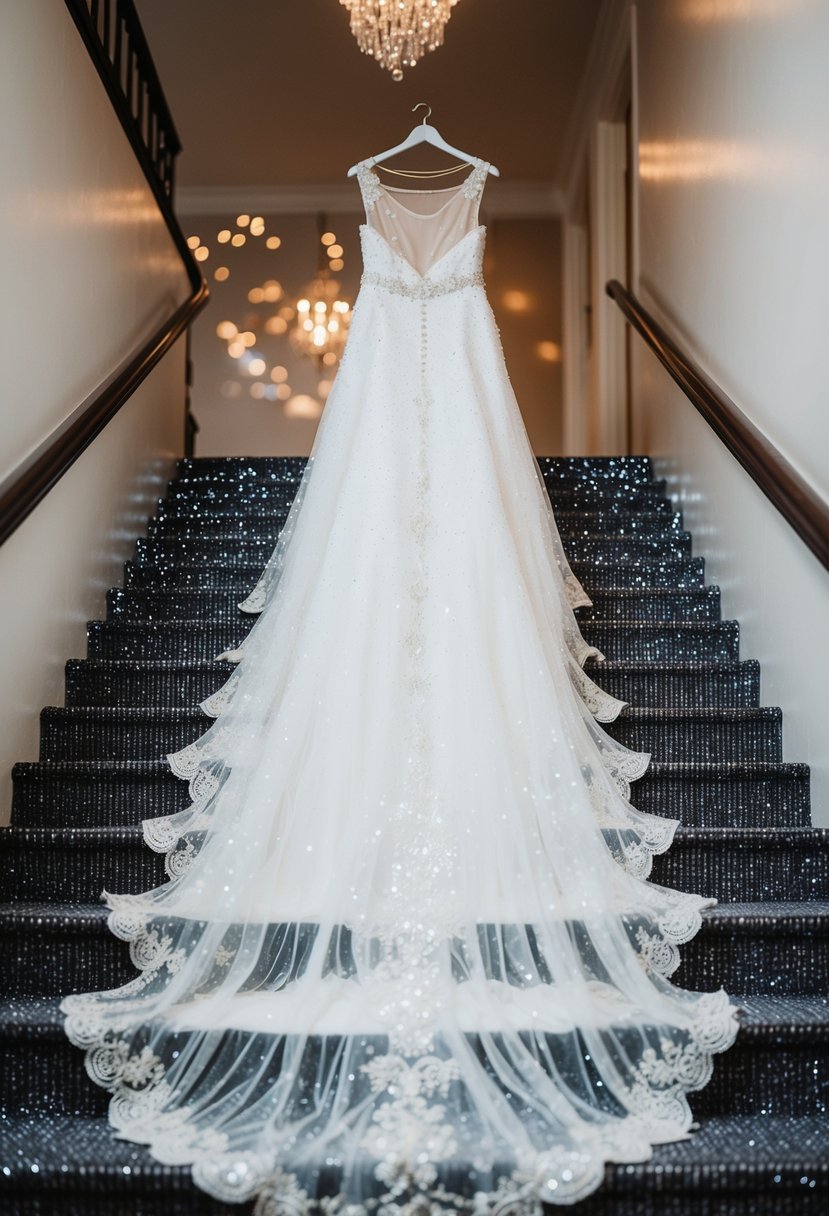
{"type": "Point", "coordinates": [408, 958]}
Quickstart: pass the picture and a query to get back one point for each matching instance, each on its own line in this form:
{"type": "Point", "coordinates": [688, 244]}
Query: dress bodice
{"type": "Point", "coordinates": [429, 232]}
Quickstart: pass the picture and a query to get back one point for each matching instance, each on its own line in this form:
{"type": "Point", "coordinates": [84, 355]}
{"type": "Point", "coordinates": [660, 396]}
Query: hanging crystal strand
{"type": "Point", "coordinates": [398, 34]}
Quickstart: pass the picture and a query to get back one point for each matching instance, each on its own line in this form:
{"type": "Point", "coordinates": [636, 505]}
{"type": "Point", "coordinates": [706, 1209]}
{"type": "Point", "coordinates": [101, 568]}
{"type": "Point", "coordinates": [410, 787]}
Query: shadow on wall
{"type": "Point", "coordinates": [255, 394]}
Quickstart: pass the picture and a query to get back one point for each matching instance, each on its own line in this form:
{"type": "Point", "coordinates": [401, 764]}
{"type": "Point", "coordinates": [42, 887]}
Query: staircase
{"type": "Point", "coordinates": [745, 837]}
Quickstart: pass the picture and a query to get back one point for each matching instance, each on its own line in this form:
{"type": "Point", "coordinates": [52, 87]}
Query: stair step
{"type": "Point", "coordinates": [698, 604]}
{"type": "Point", "coordinates": [90, 793]}
{"type": "Point", "coordinates": [779, 1064]}
{"type": "Point", "coordinates": [199, 641]}
{"type": "Point", "coordinates": [219, 496]}
{"type": "Point", "coordinates": [655, 685]}
{"type": "Point", "coordinates": [625, 470]}
{"type": "Point", "coordinates": [781, 949]}
{"type": "Point", "coordinates": [717, 736]}
{"type": "Point", "coordinates": [150, 732]}
{"type": "Point", "coordinates": [614, 521]}
{"type": "Point", "coordinates": [248, 549]}
{"type": "Point", "coordinates": [237, 581]}
{"type": "Point", "coordinates": [772, 948]}
{"type": "Point", "coordinates": [680, 685]}
{"type": "Point", "coordinates": [732, 864]}
{"type": "Point", "coordinates": [129, 684]}
{"type": "Point", "coordinates": [757, 1165]}
{"type": "Point", "coordinates": [746, 864]}
{"type": "Point", "coordinates": [68, 948]}
{"type": "Point", "coordinates": [603, 469]}
{"type": "Point", "coordinates": [659, 604]}
{"type": "Point", "coordinates": [727, 795]}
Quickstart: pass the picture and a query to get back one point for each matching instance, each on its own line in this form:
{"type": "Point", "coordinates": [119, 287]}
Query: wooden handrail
{"type": "Point", "coordinates": [794, 498]}
{"type": "Point", "coordinates": [113, 36]}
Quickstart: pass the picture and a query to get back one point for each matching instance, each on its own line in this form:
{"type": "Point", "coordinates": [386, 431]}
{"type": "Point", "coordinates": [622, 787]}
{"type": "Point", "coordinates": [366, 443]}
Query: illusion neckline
{"type": "Point", "coordinates": [397, 254]}
{"type": "Point", "coordinates": [421, 215]}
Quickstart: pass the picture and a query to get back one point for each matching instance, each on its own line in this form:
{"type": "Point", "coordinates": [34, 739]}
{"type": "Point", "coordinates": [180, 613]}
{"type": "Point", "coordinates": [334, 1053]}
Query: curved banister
{"type": "Point", "coordinates": [793, 497]}
{"type": "Point", "coordinates": [115, 41]}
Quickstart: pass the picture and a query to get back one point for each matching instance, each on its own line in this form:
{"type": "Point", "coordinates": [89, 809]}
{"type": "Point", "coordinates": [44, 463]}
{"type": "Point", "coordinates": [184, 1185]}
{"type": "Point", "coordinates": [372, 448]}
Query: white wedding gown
{"type": "Point", "coordinates": [408, 958]}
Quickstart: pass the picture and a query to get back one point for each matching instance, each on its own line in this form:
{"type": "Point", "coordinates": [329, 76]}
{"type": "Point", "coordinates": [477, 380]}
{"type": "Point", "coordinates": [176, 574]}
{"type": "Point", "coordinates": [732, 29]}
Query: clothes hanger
{"type": "Point", "coordinates": [420, 134]}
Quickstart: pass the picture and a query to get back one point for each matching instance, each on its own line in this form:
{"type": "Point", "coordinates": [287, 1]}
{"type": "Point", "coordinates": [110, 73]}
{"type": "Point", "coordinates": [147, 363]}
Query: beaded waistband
{"type": "Point", "coordinates": [423, 289]}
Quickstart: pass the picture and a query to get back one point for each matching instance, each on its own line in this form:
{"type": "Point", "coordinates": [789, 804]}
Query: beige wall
{"type": "Point", "coordinates": [88, 266]}
{"type": "Point", "coordinates": [522, 267]}
{"type": "Point", "coordinates": [88, 269]}
{"type": "Point", "coordinates": [733, 247]}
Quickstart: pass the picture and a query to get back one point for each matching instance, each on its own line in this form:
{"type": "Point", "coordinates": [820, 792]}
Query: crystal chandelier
{"type": "Point", "coordinates": [322, 316]}
{"type": "Point", "coordinates": [398, 32]}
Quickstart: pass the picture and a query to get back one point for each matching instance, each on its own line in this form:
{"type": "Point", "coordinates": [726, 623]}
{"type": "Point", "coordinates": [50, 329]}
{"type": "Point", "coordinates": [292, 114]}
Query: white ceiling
{"type": "Point", "coordinates": [275, 93]}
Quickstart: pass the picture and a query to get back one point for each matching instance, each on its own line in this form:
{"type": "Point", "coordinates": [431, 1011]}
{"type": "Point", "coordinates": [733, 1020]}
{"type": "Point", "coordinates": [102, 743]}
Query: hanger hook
{"type": "Point", "coordinates": [428, 107]}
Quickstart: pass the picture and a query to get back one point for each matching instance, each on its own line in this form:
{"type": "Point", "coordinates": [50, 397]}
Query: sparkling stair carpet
{"type": "Point", "coordinates": [746, 837]}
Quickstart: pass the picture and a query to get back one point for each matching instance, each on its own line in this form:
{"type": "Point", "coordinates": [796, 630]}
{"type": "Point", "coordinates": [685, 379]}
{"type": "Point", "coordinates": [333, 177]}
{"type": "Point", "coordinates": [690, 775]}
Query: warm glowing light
{"type": "Point", "coordinates": [303, 406]}
{"type": "Point", "coordinates": [256, 295]}
{"type": "Point", "coordinates": [303, 305]}
{"type": "Point", "coordinates": [328, 238]}
{"type": "Point", "coordinates": [273, 291]}
{"type": "Point", "coordinates": [276, 325]}
{"type": "Point", "coordinates": [516, 301]}
{"type": "Point", "coordinates": [238, 239]}
{"type": "Point", "coordinates": [227, 330]}
{"type": "Point", "coordinates": [257, 226]}
{"type": "Point", "coordinates": [242, 221]}
{"type": "Point", "coordinates": [236, 349]}
{"type": "Point", "coordinates": [336, 263]}
{"type": "Point", "coordinates": [329, 358]}
{"type": "Point", "coordinates": [324, 388]}
{"type": "Point", "coordinates": [273, 242]}
{"type": "Point", "coordinates": [335, 251]}
{"type": "Point", "coordinates": [398, 34]}
{"type": "Point", "coordinates": [708, 12]}
{"type": "Point", "coordinates": [258, 390]}
{"type": "Point", "coordinates": [193, 242]}
{"type": "Point", "coordinates": [308, 324]}
{"type": "Point", "coordinates": [202, 253]}
{"type": "Point", "coordinates": [718, 160]}
{"type": "Point", "coordinates": [256, 367]}
{"type": "Point", "coordinates": [284, 391]}
{"type": "Point", "coordinates": [287, 312]}
{"type": "Point", "coordinates": [224, 236]}
{"type": "Point", "coordinates": [221, 273]}
{"type": "Point", "coordinates": [279, 374]}
{"type": "Point", "coordinates": [247, 338]}
{"type": "Point", "coordinates": [549, 352]}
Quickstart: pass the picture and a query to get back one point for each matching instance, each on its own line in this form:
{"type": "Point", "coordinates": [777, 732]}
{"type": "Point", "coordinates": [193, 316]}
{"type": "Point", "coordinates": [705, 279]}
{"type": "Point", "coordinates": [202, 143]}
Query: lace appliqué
{"type": "Point", "coordinates": [369, 184]}
{"type": "Point", "coordinates": [473, 185]}
{"type": "Point", "coordinates": [409, 1132]}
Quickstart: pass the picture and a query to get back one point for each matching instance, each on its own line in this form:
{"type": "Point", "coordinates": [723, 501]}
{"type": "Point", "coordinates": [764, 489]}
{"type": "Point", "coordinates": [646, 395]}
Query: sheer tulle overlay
{"type": "Point", "coordinates": [408, 958]}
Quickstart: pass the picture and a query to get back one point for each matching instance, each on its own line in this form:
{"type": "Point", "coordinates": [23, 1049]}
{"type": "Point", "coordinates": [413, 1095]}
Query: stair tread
{"type": "Point", "coordinates": [699, 666]}
{"type": "Point", "coordinates": [141, 713]}
{"type": "Point", "coordinates": [69, 1147]}
{"type": "Point", "coordinates": [710, 591]}
{"type": "Point", "coordinates": [743, 915]}
{"type": "Point", "coordinates": [605, 623]}
{"type": "Point", "coordinates": [794, 835]}
{"type": "Point", "coordinates": [687, 769]}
